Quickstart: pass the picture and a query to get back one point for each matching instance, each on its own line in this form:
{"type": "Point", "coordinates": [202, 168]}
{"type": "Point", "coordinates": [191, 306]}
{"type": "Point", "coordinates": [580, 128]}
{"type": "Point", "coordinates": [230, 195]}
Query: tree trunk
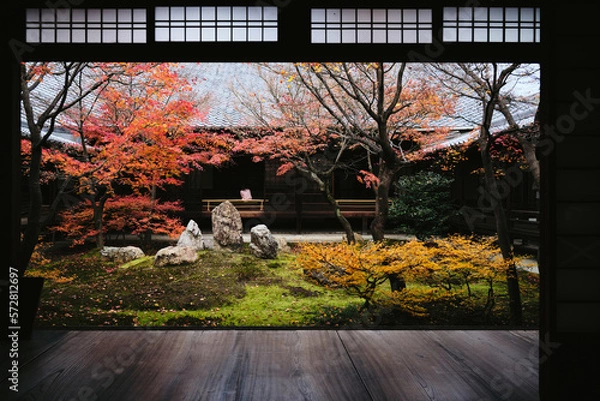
{"type": "Point", "coordinates": [55, 204]}
{"type": "Point", "coordinates": [325, 188]}
{"type": "Point", "coordinates": [532, 160]}
{"type": "Point", "coordinates": [382, 206]}
{"type": "Point", "coordinates": [34, 215]}
{"type": "Point", "coordinates": [340, 217]}
{"type": "Point", "coordinates": [504, 242]}
{"type": "Point", "coordinates": [99, 220]}
{"type": "Point", "coordinates": [98, 225]}
{"type": "Point", "coordinates": [147, 235]}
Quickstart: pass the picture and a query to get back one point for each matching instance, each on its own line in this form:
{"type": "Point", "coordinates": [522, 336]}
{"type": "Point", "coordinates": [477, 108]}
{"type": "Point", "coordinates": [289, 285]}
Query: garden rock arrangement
{"type": "Point", "coordinates": [192, 236]}
{"type": "Point", "coordinates": [262, 243]}
{"type": "Point", "coordinates": [227, 227]}
{"type": "Point", "coordinates": [121, 254]}
{"type": "Point", "coordinates": [175, 255]}
{"type": "Point", "coordinates": [190, 242]}
{"type": "Point", "coordinates": [282, 245]}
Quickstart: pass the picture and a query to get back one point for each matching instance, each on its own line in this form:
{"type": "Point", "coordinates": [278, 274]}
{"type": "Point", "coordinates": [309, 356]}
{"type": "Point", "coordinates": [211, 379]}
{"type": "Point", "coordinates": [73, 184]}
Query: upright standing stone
{"type": "Point", "coordinates": [262, 242]}
{"type": "Point", "coordinates": [192, 237]}
{"type": "Point", "coordinates": [227, 226]}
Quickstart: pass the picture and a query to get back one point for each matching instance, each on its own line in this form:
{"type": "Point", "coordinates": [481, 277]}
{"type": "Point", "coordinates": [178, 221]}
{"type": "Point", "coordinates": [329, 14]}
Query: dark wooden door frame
{"type": "Point", "coordinates": [293, 45]}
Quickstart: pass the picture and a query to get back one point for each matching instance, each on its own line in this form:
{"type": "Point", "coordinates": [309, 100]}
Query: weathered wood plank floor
{"type": "Point", "coordinates": [277, 365]}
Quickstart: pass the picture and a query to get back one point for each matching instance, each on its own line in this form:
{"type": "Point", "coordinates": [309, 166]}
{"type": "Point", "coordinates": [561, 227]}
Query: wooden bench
{"type": "Point", "coordinates": [524, 227]}
{"type": "Point", "coordinates": [363, 209]}
{"type": "Point", "coordinates": [366, 206]}
{"type": "Point", "coordinates": [248, 208]}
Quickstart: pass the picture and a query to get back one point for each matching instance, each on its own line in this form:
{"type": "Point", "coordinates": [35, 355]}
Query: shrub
{"type": "Point", "coordinates": [422, 205]}
{"type": "Point", "coordinates": [361, 268]}
{"type": "Point", "coordinates": [440, 273]}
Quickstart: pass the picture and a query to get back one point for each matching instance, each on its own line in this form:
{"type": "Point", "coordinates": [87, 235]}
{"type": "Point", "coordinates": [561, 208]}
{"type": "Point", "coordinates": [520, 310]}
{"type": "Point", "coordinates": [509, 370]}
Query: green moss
{"type": "Point", "coordinates": [224, 289]}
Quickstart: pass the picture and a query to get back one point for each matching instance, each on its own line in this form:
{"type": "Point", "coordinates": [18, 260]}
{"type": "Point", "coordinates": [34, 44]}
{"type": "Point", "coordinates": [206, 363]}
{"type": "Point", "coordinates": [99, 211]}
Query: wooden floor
{"type": "Point", "coordinates": [263, 365]}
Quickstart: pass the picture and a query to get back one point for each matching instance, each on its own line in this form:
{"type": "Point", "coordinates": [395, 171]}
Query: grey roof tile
{"type": "Point", "coordinates": [217, 81]}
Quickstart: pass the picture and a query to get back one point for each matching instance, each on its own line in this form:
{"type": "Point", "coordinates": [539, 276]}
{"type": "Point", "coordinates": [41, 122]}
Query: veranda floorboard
{"type": "Point", "coordinates": [507, 362]}
{"type": "Point", "coordinates": [276, 365]}
{"type": "Point", "coordinates": [44, 340]}
{"type": "Point", "coordinates": [299, 365]}
{"type": "Point", "coordinates": [446, 365]}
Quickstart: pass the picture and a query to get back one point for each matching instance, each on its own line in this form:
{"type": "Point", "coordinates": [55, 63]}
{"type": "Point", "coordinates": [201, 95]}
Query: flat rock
{"type": "Point", "coordinates": [175, 255]}
{"type": "Point", "coordinates": [121, 254]}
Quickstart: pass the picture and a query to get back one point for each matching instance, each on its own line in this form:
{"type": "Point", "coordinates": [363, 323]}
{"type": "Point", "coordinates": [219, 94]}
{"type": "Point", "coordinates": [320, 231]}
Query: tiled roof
{"type": "Point", "coordinates": [220, 79]}
{"type": "Point", "coordinates": [40, 98]}
{"type": "Point", "coordinates": [218, 82]}
{"type": "Point", "coordinates": [60, 135]}
{"type": "Point", "coordinates": [467, 118]}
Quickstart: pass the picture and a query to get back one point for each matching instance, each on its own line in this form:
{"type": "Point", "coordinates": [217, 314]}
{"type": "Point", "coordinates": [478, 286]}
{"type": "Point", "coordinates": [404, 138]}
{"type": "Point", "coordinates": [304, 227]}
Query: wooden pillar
{"type": "Point", "coordinates": [570, 254]}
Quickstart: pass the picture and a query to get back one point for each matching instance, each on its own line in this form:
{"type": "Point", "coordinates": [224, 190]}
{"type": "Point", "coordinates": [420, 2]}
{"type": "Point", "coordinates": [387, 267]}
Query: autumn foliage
{"type": "Point", "coordinates": [436, 271]}
{"type": "Point", "coordinates": [135, 133]}
{"type": "Point", "coordinates": [368, 119]}
{"type": "Point", "coordinates": [122, 215]}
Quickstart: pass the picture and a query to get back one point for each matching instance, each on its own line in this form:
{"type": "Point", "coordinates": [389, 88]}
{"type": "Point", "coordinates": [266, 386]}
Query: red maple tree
{"type": "Point", "coordinates": [137, 134]}
{"type": "Point", "coordinates": [380, 109]}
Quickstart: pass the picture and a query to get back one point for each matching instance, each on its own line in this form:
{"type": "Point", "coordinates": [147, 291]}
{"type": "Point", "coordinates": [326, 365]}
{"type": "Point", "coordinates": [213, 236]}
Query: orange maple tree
{"type": "Point", "coordinates": [48, 90]}
{"type": "Point", "coordinates": [323, 110]}
{"type": "Point", "coordinates": [298, 133]}
{"type": "Point", "coordinates": [136, 134]}
{"type": "Point", "coordinates": [134, 214]}
{"type": "Point", "coordinates": [386, 107]}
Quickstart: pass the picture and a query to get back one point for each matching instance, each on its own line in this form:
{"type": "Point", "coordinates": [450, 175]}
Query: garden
{"type": "Point", "coordinates": [116, 150]}
{"type": "Point", "coordinates": [449, 282]}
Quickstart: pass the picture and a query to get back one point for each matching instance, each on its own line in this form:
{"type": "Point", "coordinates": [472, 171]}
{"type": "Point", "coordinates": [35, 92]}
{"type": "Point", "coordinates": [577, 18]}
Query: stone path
{"type": "Point", "coordinates": [313, 236]}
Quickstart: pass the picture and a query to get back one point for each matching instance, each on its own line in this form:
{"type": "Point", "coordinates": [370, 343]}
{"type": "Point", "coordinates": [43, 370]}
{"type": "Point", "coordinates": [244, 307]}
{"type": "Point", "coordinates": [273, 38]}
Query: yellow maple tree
{"type": "Point", "coordinates": [446, 265]}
